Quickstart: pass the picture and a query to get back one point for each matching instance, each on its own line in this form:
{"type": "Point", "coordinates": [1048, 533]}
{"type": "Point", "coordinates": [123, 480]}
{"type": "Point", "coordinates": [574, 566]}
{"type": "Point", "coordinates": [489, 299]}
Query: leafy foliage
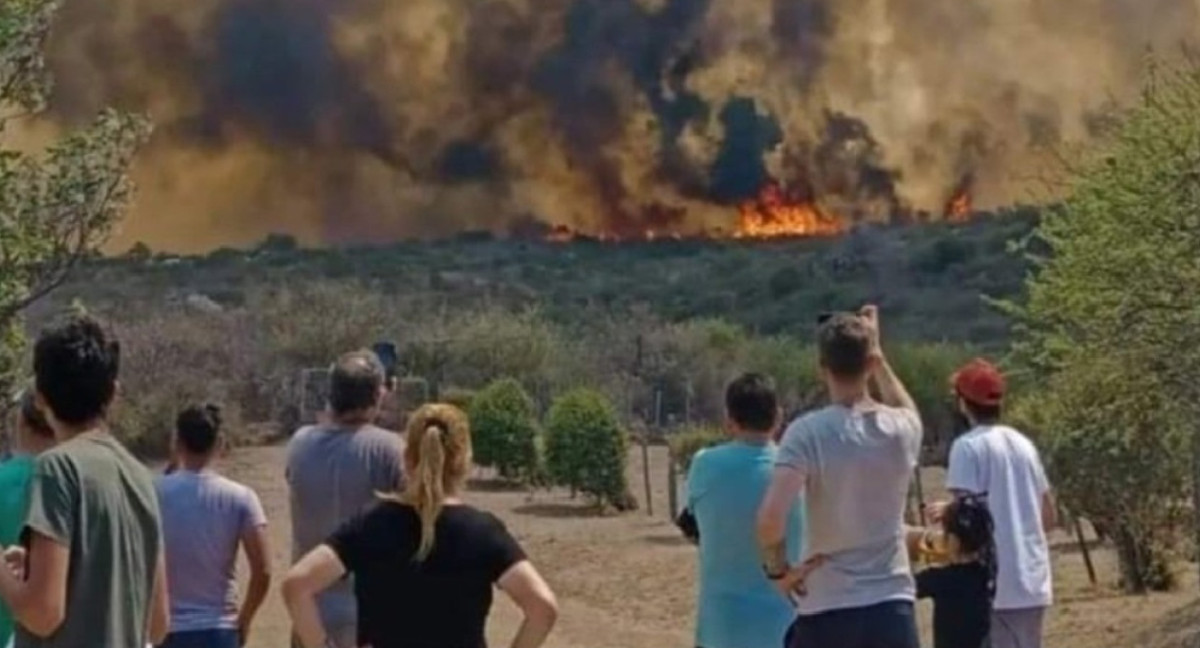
{"type": "Point", "coordinates": [586, 448]}
{"type": "Point", "coordinates": [686, 444]}
{"type": "Point", "coordinates": [505, 432]}
{"type": "Point", "coordinates": [59, 205]}
{"type": "Point", "coordinates": [1110, 334]}
{"type": "Point", "coordinates": [926, 370]}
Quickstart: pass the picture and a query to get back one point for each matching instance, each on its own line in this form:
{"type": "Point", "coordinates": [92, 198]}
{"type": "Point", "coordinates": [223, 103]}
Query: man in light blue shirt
{"type": "Point", "coordinates": [738, 606]}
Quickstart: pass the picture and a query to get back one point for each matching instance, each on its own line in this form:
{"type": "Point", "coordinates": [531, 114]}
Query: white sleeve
{"type": "Point", "coordinates": [1039, 474]}
{"type": "Point", "coordinates": [963, 473]}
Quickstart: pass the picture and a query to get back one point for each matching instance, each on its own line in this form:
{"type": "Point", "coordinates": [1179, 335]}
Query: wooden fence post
{"type": "Point", "coordinates": [672, 481]}
{"type": "Point", "coordinates": [920, 494]}
{"type": "Point", "coordinates": [646, 472]}
{"type": "Point", "coordinates": [1083, 550]}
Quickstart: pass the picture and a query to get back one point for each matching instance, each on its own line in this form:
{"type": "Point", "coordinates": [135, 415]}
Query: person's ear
{"type": "Point", "coordinates": [730, 427]}
{"type": "Point", "coordinates": [39, 401]}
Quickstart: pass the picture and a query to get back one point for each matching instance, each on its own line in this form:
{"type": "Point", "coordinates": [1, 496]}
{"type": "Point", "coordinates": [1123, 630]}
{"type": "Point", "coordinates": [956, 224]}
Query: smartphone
{"type": "Point", "coordinates": [388, 357]}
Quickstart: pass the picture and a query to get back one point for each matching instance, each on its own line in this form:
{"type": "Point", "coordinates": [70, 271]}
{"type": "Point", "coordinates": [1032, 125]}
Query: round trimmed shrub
{"type": "Point", "coordinates": [586, 448]}
{"type": "Point", "coordinates": [504, 430]}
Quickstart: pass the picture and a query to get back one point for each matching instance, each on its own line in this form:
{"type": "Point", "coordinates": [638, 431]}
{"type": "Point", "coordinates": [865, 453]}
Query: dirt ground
{"type": "Point", "coordinates": [629, 581]}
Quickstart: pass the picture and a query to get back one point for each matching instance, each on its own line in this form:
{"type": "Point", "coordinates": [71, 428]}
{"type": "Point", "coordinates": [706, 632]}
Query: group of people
{"type": "Point", "coordinates": [100, 552]}
{"type": "Point", "coordinates": [803, 536]}
{"type": "Point", "coordinates": [802, 533]}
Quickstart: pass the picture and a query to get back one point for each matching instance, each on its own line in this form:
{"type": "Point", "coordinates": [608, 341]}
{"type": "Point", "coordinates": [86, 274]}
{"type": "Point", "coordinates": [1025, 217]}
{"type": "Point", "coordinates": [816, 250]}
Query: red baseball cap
{"type": "Point", "coordinates": [980, 382]}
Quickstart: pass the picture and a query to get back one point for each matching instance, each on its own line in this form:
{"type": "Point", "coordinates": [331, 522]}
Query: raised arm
{"type": "Point", "coordinates": [891, 390]}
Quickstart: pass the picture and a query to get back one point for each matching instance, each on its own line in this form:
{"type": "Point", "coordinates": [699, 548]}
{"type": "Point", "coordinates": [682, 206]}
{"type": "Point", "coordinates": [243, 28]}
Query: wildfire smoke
{"type": "Point", "coordinates": [363, 120]}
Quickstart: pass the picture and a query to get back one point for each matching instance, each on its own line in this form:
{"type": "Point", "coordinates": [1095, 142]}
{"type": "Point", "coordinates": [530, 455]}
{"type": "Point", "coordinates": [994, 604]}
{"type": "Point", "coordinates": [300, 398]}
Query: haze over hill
{"type": "Point", "coordinates": [370, 120]}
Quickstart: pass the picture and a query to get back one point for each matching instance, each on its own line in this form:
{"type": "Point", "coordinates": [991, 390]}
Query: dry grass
{"type": "Point", "coordinates": [628, 581]}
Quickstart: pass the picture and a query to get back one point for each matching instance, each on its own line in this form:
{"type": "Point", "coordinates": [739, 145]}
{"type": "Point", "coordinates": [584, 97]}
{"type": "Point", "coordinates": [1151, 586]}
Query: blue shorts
{"type": "Point", "coordinates": [202, 639]}
{"type": "Point", "coordinates": [887, 625]}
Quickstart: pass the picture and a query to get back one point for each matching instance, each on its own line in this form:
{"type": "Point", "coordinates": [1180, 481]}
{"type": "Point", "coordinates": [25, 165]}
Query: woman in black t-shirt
{"type": "Point", "coordinates": [424, 563]}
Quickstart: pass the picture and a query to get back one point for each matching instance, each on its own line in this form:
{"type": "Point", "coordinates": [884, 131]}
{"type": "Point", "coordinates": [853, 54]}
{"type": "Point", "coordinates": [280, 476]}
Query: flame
{"type": "Point", "coordinates": [560, 234]}
{"type": "Point", "coordinates": [774, 214]}
{"type": "Point", "coordinates": [958, 209]}
{"type": "Point", "coordinates": [959, 206]}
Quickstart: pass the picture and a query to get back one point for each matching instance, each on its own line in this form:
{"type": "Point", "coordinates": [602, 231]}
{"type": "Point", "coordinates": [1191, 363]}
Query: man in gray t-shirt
{"type": "Point", "coordinates": [335, 469]}
{"type": "Point", "coordinates": [852, 460]}
{"type": "Point", "coordinates": [94, 572]}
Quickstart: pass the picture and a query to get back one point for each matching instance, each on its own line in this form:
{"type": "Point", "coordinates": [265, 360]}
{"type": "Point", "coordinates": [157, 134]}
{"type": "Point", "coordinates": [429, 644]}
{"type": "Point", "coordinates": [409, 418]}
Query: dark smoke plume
{"type": "Point", "coordinates": [366, 120]}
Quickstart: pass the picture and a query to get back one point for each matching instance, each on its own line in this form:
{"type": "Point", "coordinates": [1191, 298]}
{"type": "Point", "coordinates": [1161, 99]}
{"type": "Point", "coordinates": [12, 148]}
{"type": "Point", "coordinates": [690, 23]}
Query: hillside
{"type": "Point", "coordinates": [929, 279]}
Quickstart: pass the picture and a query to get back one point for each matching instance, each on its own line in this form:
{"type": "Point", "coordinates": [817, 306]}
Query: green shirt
{"type": "Point", "coordinates": [93, 497]}
{"type": "Point", "coordinates": [14, 495]}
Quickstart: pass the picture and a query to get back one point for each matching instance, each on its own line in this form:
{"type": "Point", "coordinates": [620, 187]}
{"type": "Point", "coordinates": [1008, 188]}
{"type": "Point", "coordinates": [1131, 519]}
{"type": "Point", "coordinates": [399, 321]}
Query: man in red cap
{"type": "Point", "coordinates": [1001, 463]}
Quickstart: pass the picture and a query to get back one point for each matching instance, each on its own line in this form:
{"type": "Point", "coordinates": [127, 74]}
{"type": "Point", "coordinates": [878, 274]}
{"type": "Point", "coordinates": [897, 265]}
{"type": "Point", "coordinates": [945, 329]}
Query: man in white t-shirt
{"type": "Point", "coordinates": [1003, 464]}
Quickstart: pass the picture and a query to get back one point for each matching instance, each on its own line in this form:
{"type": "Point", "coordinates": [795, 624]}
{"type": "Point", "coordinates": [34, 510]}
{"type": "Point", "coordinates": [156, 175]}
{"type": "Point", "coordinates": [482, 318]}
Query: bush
{"type": "Point", "coordinates": [504, 431]}
{"type": "Point", "coordinates": [1116, 446]}
{"type": "Point", "coordinates": [458, 397]}
{"type": "Point", "coordinates": [586, 448]}
{"type": "Point", "coordinates": [686, 444]}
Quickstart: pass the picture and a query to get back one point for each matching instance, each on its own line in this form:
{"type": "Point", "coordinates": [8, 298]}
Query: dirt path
{"type": "Point", "coordinates": [629, 582]}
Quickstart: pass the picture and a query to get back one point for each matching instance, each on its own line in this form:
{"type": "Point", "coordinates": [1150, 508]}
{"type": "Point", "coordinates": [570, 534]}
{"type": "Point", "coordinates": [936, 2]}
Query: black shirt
{"type": "Point", "coordinates": [962, 604]}
{"type": "Point", "coordinates": [440, 602]}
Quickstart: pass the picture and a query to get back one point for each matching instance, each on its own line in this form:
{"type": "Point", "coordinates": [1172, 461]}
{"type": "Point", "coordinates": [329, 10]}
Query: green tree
{"type": "Point", "coordinates": [57, 206]}
{"type": "Point", "coordinates": [1110, 333]}
{"type": "Point", "coordinates": [926, 370]}
{"type": "Point", "coordinates": [504, 430]}
{"type": "Point", "coordinates": [586, 448]}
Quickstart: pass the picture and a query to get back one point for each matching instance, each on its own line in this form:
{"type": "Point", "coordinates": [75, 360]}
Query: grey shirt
{"type": "Point", "coordinates": [857, 464]}
{"type": "Point", "coordinates": [91, 496]}
{"type": "Point", "coordinates": [334, 472]}
{"type": "Point", "coordinates": [205, 517]}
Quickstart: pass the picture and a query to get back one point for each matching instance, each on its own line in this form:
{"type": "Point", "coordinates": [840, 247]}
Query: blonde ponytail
{"type": "Point", "coordinates": [428, 490]}
{"type": "Point", "coordinates": [437, 457]}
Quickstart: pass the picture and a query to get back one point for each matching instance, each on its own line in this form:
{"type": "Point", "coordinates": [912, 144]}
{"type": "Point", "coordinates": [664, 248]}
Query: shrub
{"type": "Point", "coordinates": [686, 444]}
{"type": "Point", "coordinates": [926, 370]}
{"type": "Point", "coordinates": [504, 430]}
{"type": "Point", "coordinates": [586, 448]}
{"type": "Point", "coordinates": [1116, 446]}
{"type": "Point", "coordinates": [458, 397]}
